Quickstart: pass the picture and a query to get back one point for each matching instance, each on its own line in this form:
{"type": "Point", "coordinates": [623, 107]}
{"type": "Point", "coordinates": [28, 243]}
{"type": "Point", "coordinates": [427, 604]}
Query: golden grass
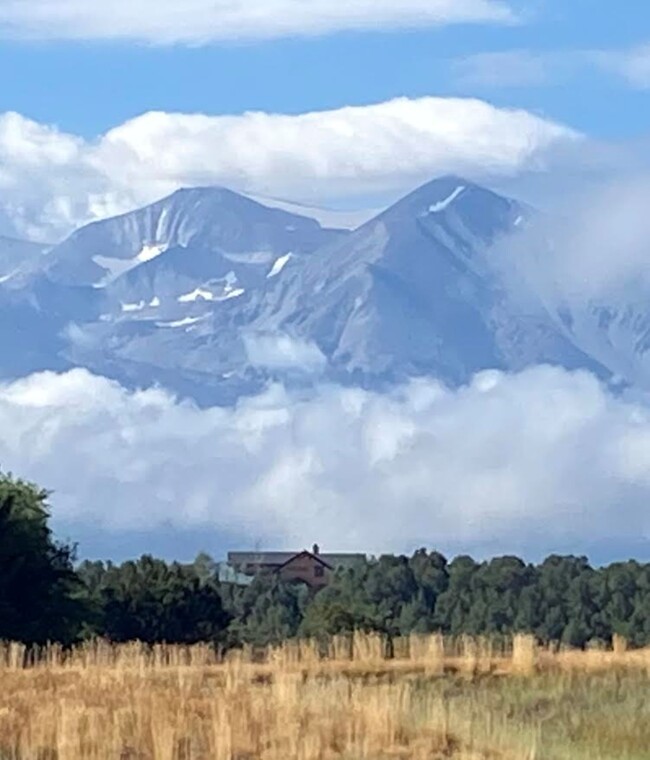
{"type": "Point", "coordinates": [433, 699]}
{"type": "Point", "coordinates": [524, 655]}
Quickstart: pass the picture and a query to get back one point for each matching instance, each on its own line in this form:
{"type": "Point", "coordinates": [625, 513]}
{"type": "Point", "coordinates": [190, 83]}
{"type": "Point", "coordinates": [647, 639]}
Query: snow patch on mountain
{"type": "Point", "coordinates": [185, 322]}
{"type": "Point", "coordinates": [199, 294]}
{"type": "Point", "coordinates": [234, 293]}
{"type": "Point", "coordinates": [128, 308]}
{"type": "Point", "coordinates": [116, 267]}
{"type": "Point", "coordinates": [279, 265]}
{"type": "Point", "coordinates": [150, 252]}
{"type": "Point", "coordinates": [436, 208]}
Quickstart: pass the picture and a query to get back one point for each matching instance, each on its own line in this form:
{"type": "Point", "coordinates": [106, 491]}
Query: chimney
{"type": "Point", "coordinates": [315, 549]}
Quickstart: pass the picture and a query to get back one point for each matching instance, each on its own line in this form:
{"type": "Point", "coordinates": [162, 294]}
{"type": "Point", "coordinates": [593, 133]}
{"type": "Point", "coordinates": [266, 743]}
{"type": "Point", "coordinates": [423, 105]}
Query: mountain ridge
{"type": "Point", "coordinates": [214, 295]}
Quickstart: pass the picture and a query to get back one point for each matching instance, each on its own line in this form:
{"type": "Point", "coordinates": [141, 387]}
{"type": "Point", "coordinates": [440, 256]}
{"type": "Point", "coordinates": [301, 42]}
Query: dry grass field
{"type": "Point", "coordinates": [431, 699]}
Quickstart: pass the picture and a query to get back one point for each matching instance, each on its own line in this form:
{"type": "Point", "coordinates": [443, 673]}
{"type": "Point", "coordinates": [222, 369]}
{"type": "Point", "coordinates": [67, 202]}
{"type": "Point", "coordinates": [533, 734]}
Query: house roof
{"type": "Point", "coordinates": [317, 557]}
{"type": "Point", "coordinates": [277, 559]}
{"type": "Point", "coordinates": [260, 558]}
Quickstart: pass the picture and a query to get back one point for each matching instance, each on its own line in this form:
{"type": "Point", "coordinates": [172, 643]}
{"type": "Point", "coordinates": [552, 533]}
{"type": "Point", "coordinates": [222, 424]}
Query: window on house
{"type": "Point", "coordinates": [319, 571]}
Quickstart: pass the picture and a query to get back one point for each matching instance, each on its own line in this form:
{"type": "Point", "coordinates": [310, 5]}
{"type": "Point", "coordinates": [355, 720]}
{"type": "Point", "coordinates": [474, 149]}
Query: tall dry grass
{"type": "Point", "coordinates": [355, 698]}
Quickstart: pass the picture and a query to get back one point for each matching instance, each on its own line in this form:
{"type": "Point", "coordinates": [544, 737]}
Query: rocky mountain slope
{"type": "Point", "coordinates": [213, 294]}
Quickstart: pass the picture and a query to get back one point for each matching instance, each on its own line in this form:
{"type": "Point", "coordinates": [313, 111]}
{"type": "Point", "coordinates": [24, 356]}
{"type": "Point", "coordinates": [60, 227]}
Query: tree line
{"type": "Point", "coordinates": [45, 596]}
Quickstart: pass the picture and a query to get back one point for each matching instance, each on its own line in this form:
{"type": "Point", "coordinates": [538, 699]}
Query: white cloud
{"type": "Point", "coordinates": [50, 181]}
{"type": "Point", "coordinates": [594, 247]}
{"type": "Point", "coordinates": [278, 351]}
{"type": "Point", "coordinates": [632, 64]}
{"type": "Point", "coordinates": [508, 68]}
{"type": "Point", "coordinates": [526, 462]}
{"type": "Point", "coordinates": [586, 267]}
{"type": "Point", "coordinates": [533, 68]}
{"type": "Point", "coordinates": [204, 21]}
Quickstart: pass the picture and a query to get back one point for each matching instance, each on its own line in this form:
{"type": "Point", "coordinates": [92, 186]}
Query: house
{"type": "Point", "coordinates": [311, 567]}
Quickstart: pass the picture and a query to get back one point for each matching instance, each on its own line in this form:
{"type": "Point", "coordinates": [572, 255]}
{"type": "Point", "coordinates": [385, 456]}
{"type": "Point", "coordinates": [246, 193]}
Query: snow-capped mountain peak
{"type": "Point", "coordinates": [213, 294]}
{"type": "Point", "coordinates": [211, 218]}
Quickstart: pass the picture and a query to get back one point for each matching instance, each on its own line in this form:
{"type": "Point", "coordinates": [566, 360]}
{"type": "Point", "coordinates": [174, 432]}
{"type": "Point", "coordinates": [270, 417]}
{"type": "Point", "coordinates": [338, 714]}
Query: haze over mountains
{"type": "Point", "coordinates": [213, 294]}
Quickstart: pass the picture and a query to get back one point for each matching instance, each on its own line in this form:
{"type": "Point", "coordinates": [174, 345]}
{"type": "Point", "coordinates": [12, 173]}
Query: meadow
{"type": "Point", "coordinates": [351, 698]}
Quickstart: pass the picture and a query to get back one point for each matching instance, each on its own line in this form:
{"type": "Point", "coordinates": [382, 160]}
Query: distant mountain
{"type": "Point", "coordinates": [120, 295]}
{"type": "Point", "coordinates": [18, 257]}
{"type": "Point", "coordinates": [213, 223]}
{"type": "Point", "coordinates": [614, 331]}
{"type": "Point", "coordinates": [413, 292]}
{"type": "Point", "coordinates": [213, 294]}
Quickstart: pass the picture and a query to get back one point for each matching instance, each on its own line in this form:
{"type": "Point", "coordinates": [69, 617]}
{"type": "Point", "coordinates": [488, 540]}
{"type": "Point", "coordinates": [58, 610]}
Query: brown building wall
{"type": "Point", "coordinates": [307, 569]}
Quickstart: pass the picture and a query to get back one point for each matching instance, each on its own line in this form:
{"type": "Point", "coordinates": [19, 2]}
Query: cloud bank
{"type": "Point", "coordinates": [205, 21]}
{"type": "Point", "coordinates": [51, 181]}
{"type": "Point", "coordinates": [525, 462]}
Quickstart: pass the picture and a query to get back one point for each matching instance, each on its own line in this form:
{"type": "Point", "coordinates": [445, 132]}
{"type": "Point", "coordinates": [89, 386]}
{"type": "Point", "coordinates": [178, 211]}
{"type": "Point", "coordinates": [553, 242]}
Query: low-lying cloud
{"type": "Point", "coordinates": [595, 247]}
{"type": "Point", "coordinates": [524, 462]}
{"type": "Point", "coordinates": [281, 351]}
{"type": "Point", "coordinates": [206, 21]}
{"type": "Point", "coordinates": [586, 268]}
{"type": "Point", "coordinates": [51, 181]}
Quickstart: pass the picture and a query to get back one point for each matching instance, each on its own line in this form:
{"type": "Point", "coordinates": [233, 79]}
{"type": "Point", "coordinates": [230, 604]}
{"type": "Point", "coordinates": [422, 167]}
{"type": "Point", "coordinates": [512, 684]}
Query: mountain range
{"type": "Point", "coordinates": [213, 294]}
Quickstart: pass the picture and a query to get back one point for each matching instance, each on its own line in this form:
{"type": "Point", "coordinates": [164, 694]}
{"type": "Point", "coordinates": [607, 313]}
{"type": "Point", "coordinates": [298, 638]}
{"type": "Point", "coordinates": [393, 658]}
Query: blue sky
{"type": "Point", "coordinates": [106, 107]}
{"type": "Point", "coordinates": [78, 79]}
{"type": "Point", "coordinates": [88, 86]}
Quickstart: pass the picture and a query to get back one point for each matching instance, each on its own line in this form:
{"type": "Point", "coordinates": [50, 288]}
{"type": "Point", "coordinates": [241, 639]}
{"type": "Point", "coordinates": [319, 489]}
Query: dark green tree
{"type": "Point", "coordinates": [40, 595]}
{"type": "Point", "coordinates": [268, 611]}
{"type": "Point", "coordinates": [453, 607]}
{"type": "Point", "coordinates": [151, 601]}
